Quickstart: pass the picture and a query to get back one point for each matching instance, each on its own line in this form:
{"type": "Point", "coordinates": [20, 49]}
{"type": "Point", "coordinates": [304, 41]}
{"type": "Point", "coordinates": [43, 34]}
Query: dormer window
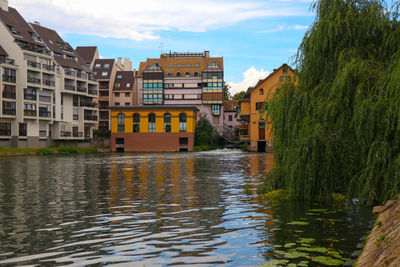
{"type": "Point", "coordinates": [97, 66]}
{"type": "Point", "coordinates": [119, 76]}
{"type": "Point", "coordinates": [117, 85]}
{"type": "Point", "coordinates": [128, 84]}
{"type": "Point", "coordinates": [106, 65]}
{"type": "Point", "coordinates": [104, 73]}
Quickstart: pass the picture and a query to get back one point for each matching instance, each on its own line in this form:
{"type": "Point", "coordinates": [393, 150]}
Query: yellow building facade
{"type": "Point", "coordinates": [256, 126]}
{"type": "Point", "coordinates": [153, 128]}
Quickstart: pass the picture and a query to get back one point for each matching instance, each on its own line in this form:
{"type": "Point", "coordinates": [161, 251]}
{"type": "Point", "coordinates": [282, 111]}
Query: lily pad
{"type": "Point", "coordinates": [303, 264]}
{"type": "Point", "coordinates": [317, 210]}
{"type": "Point", "coordinates": [274, 263]}
{"type": "Point", "coordinates": [297, 223]}
{"type": "Point", "coordinates": [327, 261]}
{"type": "Point", "coordinates": [289, 245]}
{"type": "Point", "coordinates": [294, 254]}
{"type": "Point", "coordinates": [306, 240]}
{"type": "Point", "coordinates": [314, 249]}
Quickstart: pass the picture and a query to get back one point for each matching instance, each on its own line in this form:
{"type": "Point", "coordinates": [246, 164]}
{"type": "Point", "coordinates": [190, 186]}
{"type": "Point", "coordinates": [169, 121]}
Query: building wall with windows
{"type": "Point", "coordinates": [184, 79]}
{"type": "Point", "coordinates": [155, 128]}
{"type": "Point", "coordinates": [258, 124]}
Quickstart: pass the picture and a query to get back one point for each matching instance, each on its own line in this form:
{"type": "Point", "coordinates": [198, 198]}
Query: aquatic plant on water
{"type": "Point", "coordinates": [337, 130]}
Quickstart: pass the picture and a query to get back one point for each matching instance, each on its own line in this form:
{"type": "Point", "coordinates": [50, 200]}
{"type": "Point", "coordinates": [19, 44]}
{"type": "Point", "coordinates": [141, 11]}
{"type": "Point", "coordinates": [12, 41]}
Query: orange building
{"type": "Point", "coordinates": [256, 127]}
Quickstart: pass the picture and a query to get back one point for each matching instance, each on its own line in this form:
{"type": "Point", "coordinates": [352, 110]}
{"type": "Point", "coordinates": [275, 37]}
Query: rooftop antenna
{"type": "Point", "coordinates": [161, 48]}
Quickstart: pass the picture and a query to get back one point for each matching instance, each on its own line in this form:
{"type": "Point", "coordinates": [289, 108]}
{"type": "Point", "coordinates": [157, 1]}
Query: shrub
{"type": "Point", "coordinates": [44, 152]}
{"type": "Point", "coordinates": [66, 150]}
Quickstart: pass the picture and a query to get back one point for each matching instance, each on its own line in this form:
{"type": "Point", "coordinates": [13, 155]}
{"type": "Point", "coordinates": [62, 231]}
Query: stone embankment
{"type": "Point", "coordinates": [383, 244]}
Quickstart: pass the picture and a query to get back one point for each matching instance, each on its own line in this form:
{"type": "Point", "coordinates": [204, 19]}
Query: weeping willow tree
{"type": "Point", "coordinates": [338, 129]}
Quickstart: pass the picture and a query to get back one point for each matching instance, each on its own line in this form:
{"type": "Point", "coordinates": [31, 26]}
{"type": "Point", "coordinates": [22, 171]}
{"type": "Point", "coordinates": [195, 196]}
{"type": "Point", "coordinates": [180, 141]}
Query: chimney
{"type": "Point", "coordinates": [35, 22]}
{"type": "Point", "coordinates": [207, 53]}
{"type": "Point", "coordinates": [4, 5]}
{"type": "Point", "coordinates": [127, 64]}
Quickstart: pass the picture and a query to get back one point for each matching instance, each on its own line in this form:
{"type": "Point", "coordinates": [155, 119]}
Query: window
{"type": "Point", "coordinates": [30, 94]}
{"type": "Point", "coordinates": [178, 74]}
{"type": "Point", "coordinates": [188, 65]}
{"type": "Point", "coordinates": [152, 123]}
{"type": "Point", "coordinates": [5, 129]}
{"type": "Point", "coordinates": [230, 117]}
{"type": "Point", "coordinates": [116, 94]}
{"type": "Point", "coordinates": [103, 93]}
{"type": "Point", "coordinates": [75, 115]}
{"type": "Point", "coordinates": [9, 91]}
{"type": "Point", "coordinates": [127, 103]}
{"type": "Point", "coordinates": [179, 65]}
{"type": "Point", "coordinates": [195, 74]}
{"type": "Point", "coordinates": [9, 108]}
{"type": "Point", "coordinates": [128, 85]}
{"type": "Point", "coordinates": [97, 66]}
{"type": "Point", "coordinates": [187, 74]}
{"type": "Point", "coordinates": [29, 109]}
{"type": "Point", "coordinates": [171, 66]}
{"type": "Point", "coordinates": [261, 91]}
{"type": "Point", "coordinates": [127, 94]}
{"type": "Point", "coordinates": [121, 123]}
{"type": "Point", "coordinates": [167, 123]}
{"type": "Point", "coordinates": [215, 110]}
{"type": "Point", "coordinates": [259, 105]}
{"type": "Point", "coordinates": [119, 76]}
{"type": "Point", "coordinates": [116, 104]}
{"type": "Point", "coordinates": [22, 129]}
{"type": "Point", "coordinates": [182, 122]}
{"type": "Point", "coordinates": [136, 123]}
{"type": "Point", "coordinates": [169, 74]}
{"type": "Point", "coordinates": [106, 65]}
{"type": "Point", "coordinates": [117, 85]}
{"type": "Point", "coordinates": [9, 75]}
{"type": "Point", "coordinates": [104, 73]}
{"type": "Point", "coordinates": [196, 65]}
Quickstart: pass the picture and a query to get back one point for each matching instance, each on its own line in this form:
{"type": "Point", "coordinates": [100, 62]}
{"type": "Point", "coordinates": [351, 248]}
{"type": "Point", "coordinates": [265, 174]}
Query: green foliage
{"type": "Point", "coordinates": [239, 95]}
{"type": "Point", "coordinates": [87, 150]}
{"type": "Point", "coordinates": [204, 147]}
{"type": "Point", "coordinates": [67, 150]}
{"type": "Point", "coordinates": [338, 129]}
{"type": "Point", "coordinates": [102, 133]}
{"type": "Point", "coordinates": [44, 152]}
{"type": "Point", "coordinates": [205, 133]}
{"type": "Point", "coordinates": [227, 94]}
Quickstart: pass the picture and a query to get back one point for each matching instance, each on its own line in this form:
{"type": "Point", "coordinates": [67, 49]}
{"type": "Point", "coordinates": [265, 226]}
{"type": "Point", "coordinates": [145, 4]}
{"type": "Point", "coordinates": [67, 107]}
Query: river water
{"type": "Point", "coordinates": [162, 209]}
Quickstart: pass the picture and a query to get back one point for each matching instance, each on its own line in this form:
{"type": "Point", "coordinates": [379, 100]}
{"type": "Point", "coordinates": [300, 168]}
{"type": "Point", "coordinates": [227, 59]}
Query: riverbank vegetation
{"type": "Point", "coordinates": [205, 137]}
{"type": "Point", "coordinates": [65, 150]}
{"type": "Point", "coordinates": [337, 129]}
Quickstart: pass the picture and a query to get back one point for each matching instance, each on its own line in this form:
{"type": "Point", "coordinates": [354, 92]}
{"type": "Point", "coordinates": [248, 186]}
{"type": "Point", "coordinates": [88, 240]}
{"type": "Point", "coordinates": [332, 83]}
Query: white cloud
{"type": "Point", "coordinates": [141, 20]}
{"type": "Point", "coordinates": [250, 78]}
{"type": "Point", "coordinates": [282, 28]}
{"type": "Point", "coordinates": [300, 27]}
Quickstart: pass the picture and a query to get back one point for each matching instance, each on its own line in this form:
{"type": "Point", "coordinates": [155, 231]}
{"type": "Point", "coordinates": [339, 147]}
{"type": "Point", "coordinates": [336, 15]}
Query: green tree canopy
{"type": "Point", "coordinates": [338, 130]}
{"type": "Point", "coordinates": [239, 95]}
{"type": "Point", "coordinates": [205, 133]}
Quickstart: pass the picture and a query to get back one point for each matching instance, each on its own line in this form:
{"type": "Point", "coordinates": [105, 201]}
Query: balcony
{"type": "Point", "coordinates": [8, 78]}
{"type": "Point", "coordinates": [45, 98]}
{"type": "Point", "coordinates": [65, 134]}
{"type": "Point", "coordinates": [77, 134]}
{"type": "Point", "coordinates": [42, 133]}
{"type": "Point", "coordinates": [88, 104]}
{"type": "Point", "coordinates": [34, 80]}
{"type": "Point", "coordinates": [30, 113]}
{"type": "Point", "coordinates": [104, 87]}
{"type": "Point", "coordinates": [30, 96]}
{"type": "Point", "coordinates": [81, 89]}
{"type": "Point", "coordinates": [49, 83]}
{"type": "Point", "coordinates": [9, 95]}
{"type": "Point", "coordinates": [7, 61]}
{"type": "Point", "coordinates": [92, 91]}
{"type": "Point", "coordinates": [82, 75]}
{"type": "Point", "coordinates": [11, 112]}
{"type": "Point", "coordinates": [45, 114]}
{"type": "Point", "coordinates": [35, 49]}
{"type": "Point", "coordinates": [69, 87]}
{"type": "Point", "coordinates": [69, 73]}
{"type": "Point", "coordinates": [48, 67]}
{"type": "Point", "coordinates": [92, 78]}
{"type": "Point", "coordinates": [33, 64]}
{"type": "Point", "coordinates": [90, 118]}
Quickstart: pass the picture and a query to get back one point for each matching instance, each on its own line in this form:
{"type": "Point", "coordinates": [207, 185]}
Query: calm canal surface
{"type": "Point", "coordinates": [160, 210]}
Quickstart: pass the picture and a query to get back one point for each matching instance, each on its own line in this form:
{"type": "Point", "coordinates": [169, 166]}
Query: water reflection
{"type": "Point", "coordinates": [153, 209]}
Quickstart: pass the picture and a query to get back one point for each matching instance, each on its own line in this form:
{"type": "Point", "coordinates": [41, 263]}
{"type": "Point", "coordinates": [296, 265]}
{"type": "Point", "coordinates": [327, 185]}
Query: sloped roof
{"type": "Point", "coordinates": [126, 81]}
{"type": "Point", "coordinates": [230, 105]}
{"type": "Point", "coordinates": [53, 40]}
{"type": "Point", "coordinates": [102, 68]}
{"type": "Point", "coordinates": [251, 89]}
{"type": "Point", "coordinates": [86, 52]}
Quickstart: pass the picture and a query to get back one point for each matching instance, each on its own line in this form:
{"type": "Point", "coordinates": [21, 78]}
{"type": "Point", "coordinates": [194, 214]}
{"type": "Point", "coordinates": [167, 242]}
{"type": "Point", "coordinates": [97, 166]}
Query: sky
{"type": "Point", "coordinates": [253, 36]}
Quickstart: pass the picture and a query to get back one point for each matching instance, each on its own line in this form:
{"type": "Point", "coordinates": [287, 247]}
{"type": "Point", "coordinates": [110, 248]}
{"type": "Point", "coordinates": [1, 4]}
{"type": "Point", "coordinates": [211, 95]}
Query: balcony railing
{"type": "Point", "coordinates": [88, 104]}
{"type": "Point", "coordinates": [9, 95]}
{"type": "Point", "coordinates": [33, 80]}
{"type": "Point", "coordinates": [45, 98]}
{"type": "Point", "coordinates": [103, 107]}
{"type": "Point", "coordinates": [49, 83]}
{"type": "Point", "coordinates": [48, 67]}
{"type": "Point", "coordinates": [31, 113]}
{"type": "Point", "coordinates": [70, 87]}
{"type": "Point", "coordinates": [9, 111]}
{"type": "Point", "coordinates": [45, 114]}
{"type": "Point", "coordinates": [70, 73]}
{"type": "Point", "coordinates": [42, 133]}
{"type": "Point", "coordinates": [90, 118]}
{"type": "Point", "coordinates": [30, 96]}
{"type": "Point", "coordinates": [7, 78]}
{"type": "Point", "coordinates": [77, 134]}
{"type": "Point", "coordinates": [81, 89]}
{"type": "Point", "coordinates": [82, 75]}
{"type": "Point", "coordinates": [7, 61]}
{"type": "Point", "coordinates": [33, 64]}
{"type": "Point", "coordinates": [65, 134]}
{"type": "Point", "coordinates": [104, 87]}
{"type": "Point", "coordinates": [92, 91]}
{"type": "Point", "coordinates": [31, 48]}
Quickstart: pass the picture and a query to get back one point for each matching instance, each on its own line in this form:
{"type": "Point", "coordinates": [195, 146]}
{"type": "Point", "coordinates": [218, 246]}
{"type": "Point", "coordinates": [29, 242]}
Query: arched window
{"type": "Point", "coordinates": [195, 74]}
{"type": "Point", "coordinates": [121, 123]}
{"type": "Point", "coordinates": [152, 123]}
{"type": "Point", "coordinates": [167, 123]}
{"type": "Point", "coordinates": [169, 74]}
{"type": "Point", "coordinates": [182, 122]}
{"type": "Point", "coordinates": [261, 91]}
{"type": "Point", "coordinates": [187, 74]}
{"type": "Point", "coordinates": [178, 74]}
{"type": "Point", "coordinates": [136, 123]}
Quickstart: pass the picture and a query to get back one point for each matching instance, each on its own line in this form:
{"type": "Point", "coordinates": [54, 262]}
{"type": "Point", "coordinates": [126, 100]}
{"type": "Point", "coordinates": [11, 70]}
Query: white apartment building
{"type": "Point", "coordinates": [48, 94]}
